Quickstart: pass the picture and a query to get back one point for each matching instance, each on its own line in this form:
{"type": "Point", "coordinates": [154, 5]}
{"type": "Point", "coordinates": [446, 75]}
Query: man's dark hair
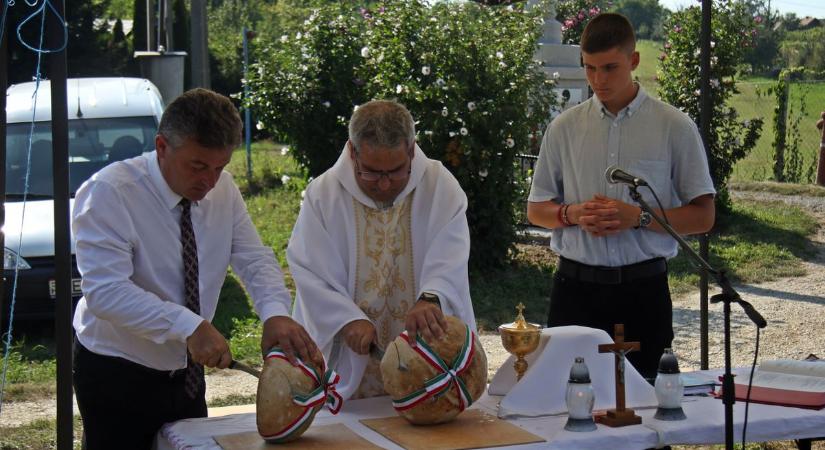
{"type": "Point", "coordinates": [606, 32]}
{"type": "Point", "coordinates": [203, 115]}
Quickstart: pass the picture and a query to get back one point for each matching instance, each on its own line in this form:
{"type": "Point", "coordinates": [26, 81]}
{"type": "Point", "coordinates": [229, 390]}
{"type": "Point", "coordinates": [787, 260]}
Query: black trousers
{"type": "Point", "coordinates": [642, 305]}
{"type": "Point", "coordinates": [123, 404]}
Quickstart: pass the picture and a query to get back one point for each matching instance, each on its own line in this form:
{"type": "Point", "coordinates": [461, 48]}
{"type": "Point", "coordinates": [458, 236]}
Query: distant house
{"type": "Point", "coordinates": [809, 22]}
{"type": "Point", "coordinates": [797, 24]}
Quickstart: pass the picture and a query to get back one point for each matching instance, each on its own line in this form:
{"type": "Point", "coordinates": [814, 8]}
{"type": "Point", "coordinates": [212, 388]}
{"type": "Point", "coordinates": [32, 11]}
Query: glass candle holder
{"type": "Point", "coordinates": [579, 398]}
{"type": "Point", "coordinates": [669, 388]}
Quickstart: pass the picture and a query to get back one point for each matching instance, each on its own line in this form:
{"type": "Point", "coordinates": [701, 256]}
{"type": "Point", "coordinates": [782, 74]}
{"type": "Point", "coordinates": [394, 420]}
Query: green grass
{"type": "Point", "coordinates": [753, 102]}
{"type": "Point", "coordinates": [649, 52]}
{"type": "Point", "coordinates": [810, 190]}
{"type": "Point", "coordinates": [232, 400]}
{"type": "Point", "coordinates": [755, 242]}
{"type": "Point", "coordinates": [757, 166]}
{"type": "Point", "coordinates": [37, 435]}
{"type": "Point", "coordinates": [526, 279]}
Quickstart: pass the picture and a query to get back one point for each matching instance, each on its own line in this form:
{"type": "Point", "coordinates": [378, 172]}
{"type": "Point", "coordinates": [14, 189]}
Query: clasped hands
{"type": "Point", "coordinates": [604, 216]}
{"type": "Point", "coordinates": [424, 317]}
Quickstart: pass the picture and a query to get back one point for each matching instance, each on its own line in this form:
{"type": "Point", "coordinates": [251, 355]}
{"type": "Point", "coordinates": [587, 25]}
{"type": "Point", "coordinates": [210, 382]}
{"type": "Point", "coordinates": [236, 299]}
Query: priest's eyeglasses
{"type": "Point", "coordinates": [392, 175]}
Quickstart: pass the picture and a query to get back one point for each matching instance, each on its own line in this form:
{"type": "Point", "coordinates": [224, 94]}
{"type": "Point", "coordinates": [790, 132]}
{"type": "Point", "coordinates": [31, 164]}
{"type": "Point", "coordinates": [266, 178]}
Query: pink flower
{"type": "Point", "coordinates": [581, 15]}
{"type": "Point", "coordinates": [677, 29]}
{"type": "Point", "coordinates": [667, 45]}
{"type": "Point", "coordinates": [757, 19]}
{"type": "Point", "coordinates": [594, 11]}
{"type": "Point", "coordinates": [662, 57]}
{"type": "Point", "coordinates": [569, 23]}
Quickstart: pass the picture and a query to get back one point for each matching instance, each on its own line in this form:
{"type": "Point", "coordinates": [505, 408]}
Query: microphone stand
{"type": "Point", "coordinates": [727, 296]}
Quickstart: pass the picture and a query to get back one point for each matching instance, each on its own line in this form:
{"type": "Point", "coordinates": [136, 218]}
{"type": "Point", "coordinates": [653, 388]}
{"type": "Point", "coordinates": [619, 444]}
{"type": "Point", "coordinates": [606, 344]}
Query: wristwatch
{"type": "Point", "coordinates": [644, 220]}
{"type": "Point", "coordinates": [429, 298]}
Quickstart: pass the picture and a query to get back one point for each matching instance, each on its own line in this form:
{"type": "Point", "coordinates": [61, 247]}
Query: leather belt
{"type": "Point", "coordinates": [611, 275]}
{"type": "Point", "coordinates": [123, 362]}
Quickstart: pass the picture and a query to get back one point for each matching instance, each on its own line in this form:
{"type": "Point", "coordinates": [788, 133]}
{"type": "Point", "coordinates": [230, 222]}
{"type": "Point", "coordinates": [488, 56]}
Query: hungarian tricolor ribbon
{"type": "Point", "coordinates": [448, 376]}
{"type": "Point", "coordinates": [323, 394]}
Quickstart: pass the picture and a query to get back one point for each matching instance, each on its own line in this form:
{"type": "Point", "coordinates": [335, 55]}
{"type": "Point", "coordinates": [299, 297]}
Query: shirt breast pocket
{"type": "Point", "coordinates": [657, 175]}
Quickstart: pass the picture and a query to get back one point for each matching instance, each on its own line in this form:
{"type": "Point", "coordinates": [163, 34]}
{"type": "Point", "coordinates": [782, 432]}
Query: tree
{"type": "Point", "coordinates": [181, 36]}
{"type": "Point", "coordinates": [86, 41]}
{"type": "Point", "coordinates": [646, 16]}
{"type": "Point", "coordinates": [139, 27]}
{"type": "Point", "coordinates": [730, 139]}
{"type": "Point", "coordinates": [804, 48]}
{"type": "Point", "coordinates": [763, 55]}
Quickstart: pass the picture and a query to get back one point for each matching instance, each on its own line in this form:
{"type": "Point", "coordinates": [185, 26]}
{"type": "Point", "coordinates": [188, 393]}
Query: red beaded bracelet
{"type": "Point", "coordinates": [559, 215]}
{"type": "Point", "coordinates": [564, 219]}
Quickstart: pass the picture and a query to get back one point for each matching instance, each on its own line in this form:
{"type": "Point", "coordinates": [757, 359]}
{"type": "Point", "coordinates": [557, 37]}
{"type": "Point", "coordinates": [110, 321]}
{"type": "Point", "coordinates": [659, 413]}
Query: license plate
{"type": "Point", "coordinates": [76, 292]}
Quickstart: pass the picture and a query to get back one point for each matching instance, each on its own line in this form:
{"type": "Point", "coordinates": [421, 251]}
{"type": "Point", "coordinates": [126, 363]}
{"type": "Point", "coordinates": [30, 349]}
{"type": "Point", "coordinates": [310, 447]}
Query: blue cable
{"type": "Point", "coordinates": [42, 11]}
{"type": "Point", "coordinates": [39, 51]}
{"type": "Point", "coordinates": [9, 4]}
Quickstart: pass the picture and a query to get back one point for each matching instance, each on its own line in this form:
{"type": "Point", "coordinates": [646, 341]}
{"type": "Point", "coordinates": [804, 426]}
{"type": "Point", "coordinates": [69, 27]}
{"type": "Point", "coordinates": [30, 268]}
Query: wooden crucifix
{"type": "Point", "coordinates": [620, 416]}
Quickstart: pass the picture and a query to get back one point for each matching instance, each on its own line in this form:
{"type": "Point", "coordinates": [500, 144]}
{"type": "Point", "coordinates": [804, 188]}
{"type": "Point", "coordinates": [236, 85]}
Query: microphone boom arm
{"type": "Point", "coordinates": [728, 292]}
{"type": "Point", "coordinates": [727, 296]}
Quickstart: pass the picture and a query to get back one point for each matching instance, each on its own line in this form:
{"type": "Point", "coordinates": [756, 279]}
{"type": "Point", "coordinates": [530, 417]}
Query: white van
{"type": "Point", "coordinates": [110, 119]}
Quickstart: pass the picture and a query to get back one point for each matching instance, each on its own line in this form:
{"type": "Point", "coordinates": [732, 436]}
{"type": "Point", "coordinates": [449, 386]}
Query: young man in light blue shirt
{"type": "Point", "coordinates": [612, 266]}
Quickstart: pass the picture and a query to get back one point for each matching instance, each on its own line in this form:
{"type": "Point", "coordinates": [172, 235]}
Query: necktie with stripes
{"type": "Point", "coordinates": [191, 292]}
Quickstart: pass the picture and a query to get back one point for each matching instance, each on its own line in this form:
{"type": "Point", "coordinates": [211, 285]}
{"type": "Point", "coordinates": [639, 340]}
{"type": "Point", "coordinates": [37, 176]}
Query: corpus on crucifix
{"type": "Point", "coordinates": [620, 416]}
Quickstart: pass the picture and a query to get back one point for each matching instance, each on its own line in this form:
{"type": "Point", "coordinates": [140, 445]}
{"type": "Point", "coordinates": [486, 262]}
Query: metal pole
{"type": "Point", "coordinates": [4, 83]}
{"type": "Point", "coordinates": [705, 113]}
{"type": "Point", "coordinates": [199, 49]}
{"type": "Point", "coordinates": [246, 113]}
{"type": "Point", "coordinates": [728, 395]}
{"type": "Point", "coordinates": [160, 27]}
{"type": "Point", "coordinates": [820, 170]}
{"type": "Point", "coordinates": [149, 18]}
{"type": "Point", "coordinates": [62, 250]}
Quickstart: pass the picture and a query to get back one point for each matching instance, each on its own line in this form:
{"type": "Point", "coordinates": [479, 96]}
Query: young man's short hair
{"type": "Point", "coordinates": [606, 32]}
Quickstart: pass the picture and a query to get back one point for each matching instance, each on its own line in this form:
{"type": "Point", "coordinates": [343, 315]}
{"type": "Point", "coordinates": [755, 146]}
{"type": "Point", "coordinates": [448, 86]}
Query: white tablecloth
{"type": "Point", "coordinates": [705, 425]}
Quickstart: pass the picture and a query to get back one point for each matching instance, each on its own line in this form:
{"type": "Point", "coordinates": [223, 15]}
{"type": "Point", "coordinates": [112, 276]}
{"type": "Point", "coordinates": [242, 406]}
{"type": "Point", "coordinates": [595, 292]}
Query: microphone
{"type": "Point", "coordinates": [615, 175]}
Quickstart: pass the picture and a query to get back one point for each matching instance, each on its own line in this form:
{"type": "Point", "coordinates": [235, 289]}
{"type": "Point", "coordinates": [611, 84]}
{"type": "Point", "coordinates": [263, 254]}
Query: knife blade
{"type": "Point", "coordinates": [243, 367]}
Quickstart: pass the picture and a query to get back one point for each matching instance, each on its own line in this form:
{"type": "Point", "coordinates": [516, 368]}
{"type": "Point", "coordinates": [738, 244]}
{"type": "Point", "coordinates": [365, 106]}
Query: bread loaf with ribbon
{"type": "Point", "coordinates": [289, 396]}
{"type": "Point", "coordinates": [432, 382]}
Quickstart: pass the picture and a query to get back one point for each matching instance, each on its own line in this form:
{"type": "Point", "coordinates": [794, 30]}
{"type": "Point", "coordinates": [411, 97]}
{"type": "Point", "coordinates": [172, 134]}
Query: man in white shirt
{"type": "Point", "coordinates": [381, 245]}
{"type": "Point", "coordinates": [612, 266]}
{"type": "Point", "coordinates": [155, 235]}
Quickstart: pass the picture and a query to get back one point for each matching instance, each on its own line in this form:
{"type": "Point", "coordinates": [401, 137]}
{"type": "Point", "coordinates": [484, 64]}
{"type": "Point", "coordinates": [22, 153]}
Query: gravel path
{"type": "Point", "coordinates": [794, 308]}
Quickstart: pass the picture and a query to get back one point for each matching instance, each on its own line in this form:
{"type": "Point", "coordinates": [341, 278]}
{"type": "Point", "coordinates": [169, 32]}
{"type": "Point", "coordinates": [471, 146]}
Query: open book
{"type": "Point", "coordinates": [786, 382]}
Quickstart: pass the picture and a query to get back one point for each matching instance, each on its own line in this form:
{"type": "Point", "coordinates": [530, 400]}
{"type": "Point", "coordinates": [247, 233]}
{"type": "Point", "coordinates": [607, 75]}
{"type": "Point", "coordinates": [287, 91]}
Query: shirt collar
{"type": "Point", "coordinates": [167, 195]}
{"type": "Point", "coordinates": [629, 110]}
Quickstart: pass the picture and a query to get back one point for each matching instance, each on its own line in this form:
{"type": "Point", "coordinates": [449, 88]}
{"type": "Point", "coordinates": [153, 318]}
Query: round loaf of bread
{"type": "Point", "coordinates": [279, 418]}
{"type": "Point", "coordinates": [405, 371]}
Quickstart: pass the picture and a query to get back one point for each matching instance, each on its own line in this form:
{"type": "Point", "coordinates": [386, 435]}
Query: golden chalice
{"type": "Point", "coordinates": [520, 338]}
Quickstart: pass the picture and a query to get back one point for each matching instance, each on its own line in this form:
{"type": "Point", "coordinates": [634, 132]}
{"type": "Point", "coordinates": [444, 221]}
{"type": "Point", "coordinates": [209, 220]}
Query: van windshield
{"type": "Point", "coordinates": [93, 144]}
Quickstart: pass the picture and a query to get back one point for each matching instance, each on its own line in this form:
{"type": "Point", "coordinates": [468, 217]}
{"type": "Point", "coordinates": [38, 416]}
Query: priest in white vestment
{"type": "Point", "coordinates": [381, 245]}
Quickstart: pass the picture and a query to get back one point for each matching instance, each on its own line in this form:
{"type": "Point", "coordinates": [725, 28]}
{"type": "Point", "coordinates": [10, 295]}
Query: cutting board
{"type": "Point", "coordinates": [323, 437]}
{"type": "Point", "coordinates": [471, 429]}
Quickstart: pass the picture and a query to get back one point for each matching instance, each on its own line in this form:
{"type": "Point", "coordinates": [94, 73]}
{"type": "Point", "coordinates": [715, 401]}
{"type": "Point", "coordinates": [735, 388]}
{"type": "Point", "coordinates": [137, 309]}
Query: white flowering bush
{"type": "Point", "coordinates": [465, 71]}
{"type": "Point", "coordinates": [731, 139]}
{"type": "Point", "coordinates": [304, 85]}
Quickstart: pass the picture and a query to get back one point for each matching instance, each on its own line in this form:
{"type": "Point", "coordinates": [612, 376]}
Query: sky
{"type": "Point", "coordinates": [802, 8]}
